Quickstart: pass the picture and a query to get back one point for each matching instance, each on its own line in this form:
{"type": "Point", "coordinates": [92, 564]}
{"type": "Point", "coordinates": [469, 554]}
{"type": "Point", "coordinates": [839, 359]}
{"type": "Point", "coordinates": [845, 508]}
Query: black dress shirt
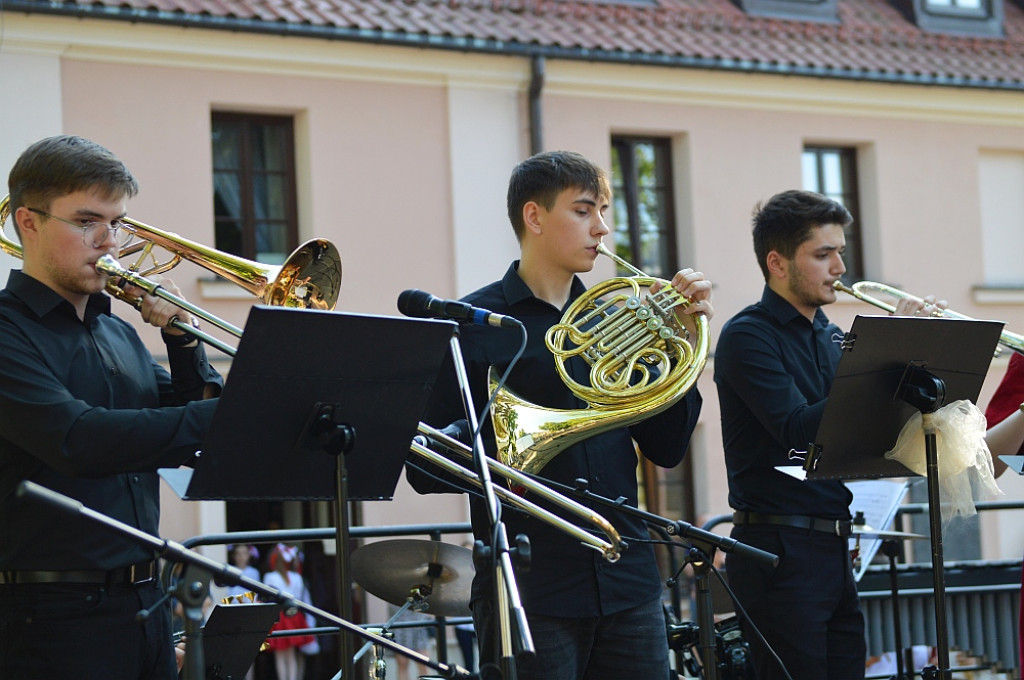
{"type": "Point", "coordinates": [774, 369]}
{"type": "Point", "coordinates": [86, 411]}
{"type": "Point", "coordinates": [566, 579]}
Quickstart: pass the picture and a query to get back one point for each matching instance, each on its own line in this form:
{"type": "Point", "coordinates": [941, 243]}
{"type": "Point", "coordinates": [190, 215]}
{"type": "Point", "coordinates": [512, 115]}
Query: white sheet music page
{"type": "Point", "coordinates": [878, 499]}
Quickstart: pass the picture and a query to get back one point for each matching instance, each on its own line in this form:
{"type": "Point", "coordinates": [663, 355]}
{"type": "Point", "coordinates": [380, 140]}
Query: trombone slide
{"type": "Point", "coordinates": [610, 549]}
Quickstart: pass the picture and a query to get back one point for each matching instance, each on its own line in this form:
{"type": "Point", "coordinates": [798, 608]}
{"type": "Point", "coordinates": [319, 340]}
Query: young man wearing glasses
{"type": "Point", "coordinates": [86, 411]}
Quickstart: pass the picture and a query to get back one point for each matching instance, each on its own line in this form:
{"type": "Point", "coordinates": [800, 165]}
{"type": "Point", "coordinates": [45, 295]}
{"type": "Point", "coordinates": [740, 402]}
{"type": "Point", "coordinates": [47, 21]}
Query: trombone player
{"type": "Point", "coordinates": [588, 618]}
{"type": "Point", "coordinates": [85, 410]}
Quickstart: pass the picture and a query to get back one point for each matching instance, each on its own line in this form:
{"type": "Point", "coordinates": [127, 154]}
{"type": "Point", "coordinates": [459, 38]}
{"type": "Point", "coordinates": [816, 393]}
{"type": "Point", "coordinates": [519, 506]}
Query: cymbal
{"type": "Point", "coordinates": [435, 572]}
{"type": "Point", "coordinates": [866, 531]}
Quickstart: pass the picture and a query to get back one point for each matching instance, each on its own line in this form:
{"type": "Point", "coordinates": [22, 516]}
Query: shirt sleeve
{"type": "Point", "coordinates": [752, 367]}
{"type": "Point", "coordinates": [1009, 394]}
{"type": "Point", "coordinates": [40, 416]}
{"type": "Point", "coordinates": [663, 438]}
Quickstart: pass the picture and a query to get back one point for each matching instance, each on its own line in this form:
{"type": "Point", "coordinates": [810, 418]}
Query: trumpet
{"type": "Point", "coordinates": [622, 335]}
{"type": "Point", "coordinates": [611, 548]}
{"type": "Point", "coordinates": [862, 291]}
{"type": "Point", "coordinates": [310, 277]}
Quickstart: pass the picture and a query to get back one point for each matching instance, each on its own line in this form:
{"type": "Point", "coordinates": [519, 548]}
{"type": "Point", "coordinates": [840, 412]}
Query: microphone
{"type": "Point", "coordinates": [422, 305]}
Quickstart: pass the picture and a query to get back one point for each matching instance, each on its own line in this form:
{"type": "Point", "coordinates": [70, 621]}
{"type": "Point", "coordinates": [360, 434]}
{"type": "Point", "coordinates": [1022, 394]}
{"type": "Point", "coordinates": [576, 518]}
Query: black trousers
{"type": "Point", "coordinates": [807, 607]}
{"type": "Point", "coordinates": [60, 630]}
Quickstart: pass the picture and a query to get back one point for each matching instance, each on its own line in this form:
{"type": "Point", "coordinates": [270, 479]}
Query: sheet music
{"type": "Point", "coordinates": [878, 499]}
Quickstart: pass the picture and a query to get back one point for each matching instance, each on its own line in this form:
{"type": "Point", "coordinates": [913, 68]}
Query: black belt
{"type": "Point", "coordinates": [134, 574]}
{"type": "Point", "coordinates": [836, 527]}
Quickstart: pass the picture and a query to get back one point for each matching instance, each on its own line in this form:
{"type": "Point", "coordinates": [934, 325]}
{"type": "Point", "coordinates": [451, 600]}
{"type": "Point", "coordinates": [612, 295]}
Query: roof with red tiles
{"type": "Point", "coordinates": [872, 39]}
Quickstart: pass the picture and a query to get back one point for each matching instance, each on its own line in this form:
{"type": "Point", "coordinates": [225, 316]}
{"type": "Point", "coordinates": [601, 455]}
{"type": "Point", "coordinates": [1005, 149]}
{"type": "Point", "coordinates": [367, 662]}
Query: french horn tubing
{"type": "Point", "coordinates": [867, 291]}
{"type": "Point", "coordinates": [310, 277]}
{"type": "Point", "coordinates": [610, 548]}
{"type": "Point", "coordinates": [642, 361]}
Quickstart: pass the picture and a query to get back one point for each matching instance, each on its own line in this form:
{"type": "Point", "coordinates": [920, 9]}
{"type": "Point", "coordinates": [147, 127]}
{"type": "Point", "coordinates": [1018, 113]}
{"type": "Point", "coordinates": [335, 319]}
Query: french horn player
{"type": "Point", "coordinates": [587, 616]}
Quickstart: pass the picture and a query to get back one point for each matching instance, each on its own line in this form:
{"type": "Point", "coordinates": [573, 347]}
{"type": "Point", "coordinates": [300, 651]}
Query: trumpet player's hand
{"type": "Point", "coordinates": [693, 285]}
{"type": "Point", "coordinates": [159, 312]}
{"type": "Point", "coordinates": [927, 306]}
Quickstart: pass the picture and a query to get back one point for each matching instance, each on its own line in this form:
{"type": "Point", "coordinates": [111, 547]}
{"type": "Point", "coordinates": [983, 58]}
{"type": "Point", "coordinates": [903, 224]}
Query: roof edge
{"type": "Point", "coordinates": [488, 46]}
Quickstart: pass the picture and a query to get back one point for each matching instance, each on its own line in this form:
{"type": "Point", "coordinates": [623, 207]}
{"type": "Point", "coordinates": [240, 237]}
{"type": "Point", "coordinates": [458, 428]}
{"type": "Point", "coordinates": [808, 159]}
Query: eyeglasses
{"type": "Point", "coordinates": [94, 234]}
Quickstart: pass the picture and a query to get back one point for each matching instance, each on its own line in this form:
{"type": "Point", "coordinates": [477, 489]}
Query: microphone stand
{"type": "Point", "coordinates": [176, 552]}
{"type": "Point", "coordinates": [512, 632]}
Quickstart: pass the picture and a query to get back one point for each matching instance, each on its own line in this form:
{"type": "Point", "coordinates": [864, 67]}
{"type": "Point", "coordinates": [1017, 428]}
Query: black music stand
{"type": "Point", "coordinates": [233, 635]}
{"type": "Point", "coordinates": [891, 368]}
{"type": "Point", "coordinates": [306, 384]}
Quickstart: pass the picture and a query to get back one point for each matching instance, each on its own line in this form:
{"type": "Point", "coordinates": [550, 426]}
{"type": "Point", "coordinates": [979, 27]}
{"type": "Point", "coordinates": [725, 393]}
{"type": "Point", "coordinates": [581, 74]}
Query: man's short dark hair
{"type": "Point", "coordinates": [542, 177]}
{"type": "Point", "coordinates": [787, 219]}
{"type": "Point", "coordinates": [61, 165]}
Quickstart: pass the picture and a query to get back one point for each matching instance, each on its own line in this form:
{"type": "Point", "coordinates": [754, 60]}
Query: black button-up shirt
{"type": "Point", "coordinates": [774, 369]}
{"type": "Point", "coordinates": [86, 411]}
{"type": "Point", "coordinates": [566, 578]}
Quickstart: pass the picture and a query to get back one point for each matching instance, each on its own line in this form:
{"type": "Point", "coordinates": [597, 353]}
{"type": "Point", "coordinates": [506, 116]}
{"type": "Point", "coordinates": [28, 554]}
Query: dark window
{"type": "Point", "coordinates": [805, 10]}
{"type": "Point", "coordinates": [643, 206]}
{"type": "Point", "coordinates": [254, 186]}
{"type": "Point", "coordinates": [832, 171]}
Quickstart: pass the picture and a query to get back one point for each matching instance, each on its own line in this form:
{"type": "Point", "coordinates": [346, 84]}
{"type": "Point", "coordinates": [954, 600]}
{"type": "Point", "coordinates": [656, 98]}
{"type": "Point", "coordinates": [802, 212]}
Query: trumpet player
{"type": "Point", "coordinates": [86, 411]}
{"type": "Point", "coordinates": [774, 365]}
{"type": "Point", "coordinates": [589, 618]}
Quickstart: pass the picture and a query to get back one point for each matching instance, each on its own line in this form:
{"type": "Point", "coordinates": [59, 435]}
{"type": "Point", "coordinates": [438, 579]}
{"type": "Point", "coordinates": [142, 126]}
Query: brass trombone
{"type": "Point", "coordinates": [862, 291]}
{"type": "Point", "coordinates": [310, 277]}
{"type": "Point", "coordinates": [622, 334]}
{"type": "Point", "coordinates": [610, 549]}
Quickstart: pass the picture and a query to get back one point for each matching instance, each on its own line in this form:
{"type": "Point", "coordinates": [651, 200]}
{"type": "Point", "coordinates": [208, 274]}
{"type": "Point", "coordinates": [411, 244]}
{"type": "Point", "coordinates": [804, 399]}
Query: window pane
{"type": "Point", "coordinates": [832, 175]}
{"type": "Point", "coordinates": [226, 145]}
{"type": "Point", "coordinates": [270, 196]}
{"type": "Point", "coordinates": [228, 235]}
{"type": "Point", "coordinates": [267, 151]}
{"type": "Point", "coordinates": [271, 242]}
{"type": "Point", "coordinates": [809, 170]}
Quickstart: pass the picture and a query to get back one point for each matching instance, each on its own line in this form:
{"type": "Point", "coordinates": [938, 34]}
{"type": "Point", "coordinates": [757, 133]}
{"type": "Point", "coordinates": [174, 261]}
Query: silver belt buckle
{"type": "Point", "coordinates": [135, 573]}
{"type": "Point", "coordinates": [839, 530]}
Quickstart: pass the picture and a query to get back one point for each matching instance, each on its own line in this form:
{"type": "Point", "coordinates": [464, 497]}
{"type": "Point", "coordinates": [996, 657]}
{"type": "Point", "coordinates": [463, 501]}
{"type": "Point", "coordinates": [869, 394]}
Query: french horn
{"type": "Point", "coordinates": [642, 361]}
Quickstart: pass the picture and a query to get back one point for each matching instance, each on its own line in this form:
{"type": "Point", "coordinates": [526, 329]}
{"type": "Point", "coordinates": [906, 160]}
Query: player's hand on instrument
{"type": "Point", "coordinates": [694, 286]}
{"type": "Point", "coordinates": [159, 312]}
{"type": "Point", "coordinates": [927, 306]}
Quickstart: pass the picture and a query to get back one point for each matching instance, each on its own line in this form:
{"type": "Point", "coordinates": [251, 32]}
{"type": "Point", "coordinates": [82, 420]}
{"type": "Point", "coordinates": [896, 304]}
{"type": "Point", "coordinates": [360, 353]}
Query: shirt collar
{"type": "Point", "coordinates": [516, 290]}
{"type": "Point", "coordinates": [784, 311]}
{"type": "Point", "coordinates": [42, 299]}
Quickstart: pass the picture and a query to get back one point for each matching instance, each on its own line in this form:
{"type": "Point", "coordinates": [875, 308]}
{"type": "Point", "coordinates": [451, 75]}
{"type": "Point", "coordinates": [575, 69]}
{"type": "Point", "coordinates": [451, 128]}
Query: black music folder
{"type": "Point", "coordinates": [864, 415]}
{"type": "Point", "coordinates": [375, 373]}
{"type": "Point", "coordinates": [232, 637]}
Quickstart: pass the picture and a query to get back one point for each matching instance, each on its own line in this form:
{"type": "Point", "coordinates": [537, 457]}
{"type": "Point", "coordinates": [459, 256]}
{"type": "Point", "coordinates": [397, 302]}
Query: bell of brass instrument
{"type": "Point", "coordinates": [642, 361]}
{"type": "Point", "coordinates": [310, 277]}
{"type": "Point", "coordinates": [867, 291]}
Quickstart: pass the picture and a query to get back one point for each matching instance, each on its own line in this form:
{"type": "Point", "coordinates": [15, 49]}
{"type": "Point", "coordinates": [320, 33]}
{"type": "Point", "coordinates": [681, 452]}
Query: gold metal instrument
{"type": "Point", "coordinates": [642, 361]}
{"type": "Point", "coordinates": [610, 548]}
{"type": "Point", "coordinates": [867, 291]}
{"type": "Point", "coordinates": [310, 277]}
